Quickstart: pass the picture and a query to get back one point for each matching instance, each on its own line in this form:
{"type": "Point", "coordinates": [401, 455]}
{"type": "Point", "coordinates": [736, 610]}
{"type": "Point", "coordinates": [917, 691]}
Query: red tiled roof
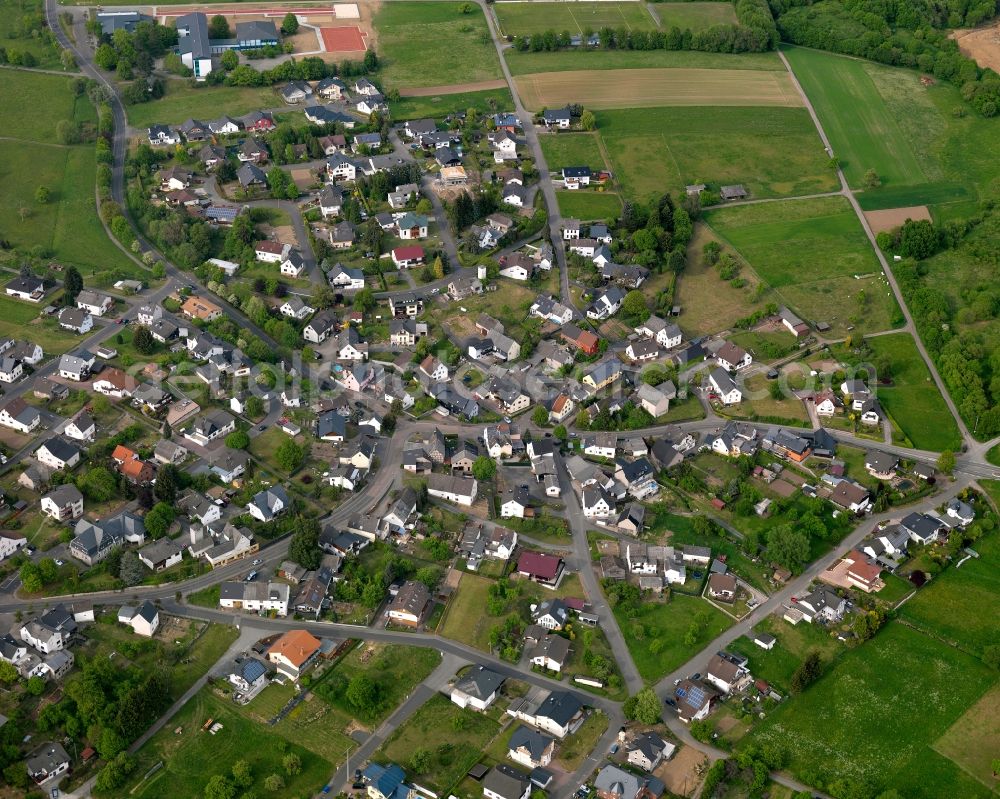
{"type": "Point", "coordinates": [408, 253]}
{"type": "Point", "coordinates": [540, 565]}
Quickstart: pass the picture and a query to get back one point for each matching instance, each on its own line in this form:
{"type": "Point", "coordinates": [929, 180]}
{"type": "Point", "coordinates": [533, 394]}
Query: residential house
{"type": "Point", "coordinates": [722, 587]}
{"type": "Point", "coordinates": [530, 748]}
{"type": "Point", "coordinates": [161, 554]}
{"type": "Point", "coordinates": [732, 357]}
{"type": "Point", "coordinates": [408, 256]}
{"type": "Point", "coordinates": [94, 541]}
{"type": "Point", "coordinates": [505, 782]}
{"type": "Point", "coordinates": [727, 673]}
{"type": "Point", "coordinates": [459, 489]}
{"type": "Point", "coordinates": [541, 567]}
{"type": "Point", "coordinates": [75, 320]}
{"type": "Point", "coordinates": [268, 504]}
{"type": "Point", "coordinates": [19, 415]}
{"type": "Point", "coordinates": [81, 427]}
{"type": "Point", "coordinates": [64, 503]}
{"type": "Point", "coordinates": [725, 387]}
{"type": "Point", "coordinates": [881, 465]}
{"type": "Point", "coordinates": [647, 750]}
{"type": "Point", "coordinates": [57, 453]}
{"type": "Point", "coordinates": [294, 652]}
{"type": "Point", "coordinates": [144, 620]}
{"type": "Point", "coordinates": [26, 287]}
{"type": "Point", "coordinates": [409, 605]}
{"type": "Point", "coordinates": [922, 527]}
{"type": "Point", "coordinates": [46, 762]}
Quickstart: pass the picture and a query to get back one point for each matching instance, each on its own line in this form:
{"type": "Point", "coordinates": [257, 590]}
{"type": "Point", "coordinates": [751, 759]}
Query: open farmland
{"type": "Point", "coordinates": [809, 252]}
{"type": "Point", "coordinates": [433, 44]}
{"type": "Point", "coordinates": [647, 88]}
{"type": "Point", "coordinates": [524, 63]}
{"type": "Point", "coordinates": [774, 152]}
{"type": "Point", "coordinates": [870, 723]}
{"type": "Point", "coordinates": [524, 19]}
{"type": "Point", "coordinates": [440, 105]}
{"type": "Point", "coordinates": [918, 139]}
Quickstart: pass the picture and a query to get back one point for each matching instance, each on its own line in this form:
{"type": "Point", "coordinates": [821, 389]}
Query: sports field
{"type": "Point", "coordinates": [920, 139]}
{"type": "Point", "coordinates": [872, 722]}
{"type": "Point", "coordinates": [694, 16]}
{"type": "Point", "coordinates": [774, 152]}
{"type": "Point", "coordinates": [433, 44]}
{"type": "Point", "coordinates": [560, 61]}
{"type": "Point", "coordinates": [646, 88]}
{"type": "Point", "coordinates": [524, 19]}
{"type": "Point", "coordinates": [809, 252]}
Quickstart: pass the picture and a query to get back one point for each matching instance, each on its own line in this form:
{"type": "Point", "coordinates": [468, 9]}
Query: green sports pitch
{"type": "Point", "coordinates": [526, 18]}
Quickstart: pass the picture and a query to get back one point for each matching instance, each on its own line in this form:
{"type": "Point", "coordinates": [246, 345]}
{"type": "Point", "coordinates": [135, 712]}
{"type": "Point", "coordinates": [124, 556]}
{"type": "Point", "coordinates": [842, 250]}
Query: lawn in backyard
{"type": "Point", "coordinates": [772, 151]}
{"type": "Point", "coordinates": [655, 635]}
{"type": "Point", "coordinates": [951, 606]}
{"type": "Point", "coordinates": [794, 642]}
{"type": "Point", "coordinates": [694, 16]}
{"type": "Point", "coordinates": [441, 105]}
{"type": "Point", "coordinates": [562, 60]}
{"type": "Point", "coordinates": [921, 140]}
{"type": "Point", "coordinates": [182, 101]}
{"type": "Point", "coordinates": [808, 252]}
{"type": "Point", "coordinates": [433, 44]}
{"type": "Point", "coordinates": [524, 19]}
{"type": "Point", "coordinates": [589, 205]}
{"type": "Point", "coordinates": [873, 718]}
{"type": "Point", "coordinates": [571, 149]}
{"type": "Point", "coordinates": [19, 319]}
{"type": "Point", "coordinates": [913, 401]}
{"type": "Point", "coordinates": [454, 737]}
{"type": "Point", "coordinates": [192, 756]}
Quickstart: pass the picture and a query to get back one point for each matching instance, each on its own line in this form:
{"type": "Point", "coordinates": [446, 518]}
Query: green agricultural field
{"type": "Point", "coordinates": [913, 136]}
{"type": "Point", "coordinates": [774, 152]}
{"type": "Point", "coordinates": [440, 105]}
{"type": "Point", "coordinates": [589, 205]}
{"type": "Point", "coordinates": [182, 102]}
{"type": "Point", "coordinates": [439, 723]}
{"type": "Point", "coordinates": [809, 252]}
{"type": "Point", "coordinates": [950, 607]}
{"type": "Point", "coordinates": [49, 100]}
{"type": "Point", "coordinates": [873, 718]}
{"type": "Point", "coordinates": [913, 402]}
{"type": "Point", "coordinates": [655, 635]}
{"type": "Point", "coordinates": [694, 16]}
{"type": "Point", "coordinates": [192, 756]}
{"type": "Point", "coordinates": [572, 149]}
{"type": "Point", "coordinates": [571, 60]}
{"type": "Point", "coordinates": [433, 44]}
{"type": "Point", "coordinates": [525, 19]}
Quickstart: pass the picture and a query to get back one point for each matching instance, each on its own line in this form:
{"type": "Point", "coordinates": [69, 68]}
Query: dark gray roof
{"type": "Point", "coordinates": [480, 682]}
{"type": "Point", "coordinates": [533, 741]}
{"type": "Point", "coordinates": [196, 42]}
{"type": "Point", "coordinates": [560, 707]}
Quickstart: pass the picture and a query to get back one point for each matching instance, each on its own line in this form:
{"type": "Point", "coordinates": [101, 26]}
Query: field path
{"type": "Point", "coordinates": [909, 327]}
{"type": "Point", "coordinates": [454, 88]}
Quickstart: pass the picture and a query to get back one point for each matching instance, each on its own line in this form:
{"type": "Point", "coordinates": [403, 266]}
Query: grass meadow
{"type": "Point", "coordinates": [774, 152]}
{"type": "Point", "coordinates": [441, 105]}
{"type": "Point", "coordinates": [528, 62]}
{"type": "Point", "coordinates": [182, 102]}
{"type": "Point", "coordinates": [11, 12]}
{"type": "Point", "coordinates": [924, 143]}
{"type": "Point", "coordinates": [808, 252]}
{"type": "Point", "coordinates": [572, 149]}
{"type": "Point", "coordinates": [192, 756]}
{"type": "Point", "coordinates": [589, 205]}
{"type": "Point", "coordinates": [777, 665]}
{"type": "Point", "coordinates": [524, 19]}
{"type": "Point", "coordinates": [655, 636]}
{"type": "Point", "coordinates": [873, 718]}
{"type": "Point", "coordinates": [49, 99]}
{"type": "Point", "coordinates": [433, 44]}
{"type": "Point", "coordinates": [913, 401]}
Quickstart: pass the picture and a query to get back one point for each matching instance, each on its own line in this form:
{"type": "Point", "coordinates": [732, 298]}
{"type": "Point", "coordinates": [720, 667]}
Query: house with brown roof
{"type": "Point", "coordinates": [583, 340]}
{"type": "Point", "coordinates": [410, 604]}
{"type": "Point", "coordinates": [722, 587]}
{"type": "Point", "coordinates": [294, 652]}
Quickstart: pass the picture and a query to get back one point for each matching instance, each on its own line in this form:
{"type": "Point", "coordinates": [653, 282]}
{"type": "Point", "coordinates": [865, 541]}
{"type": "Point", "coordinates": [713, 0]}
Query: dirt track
{"type": "Point", "coordinates": [894, 217]}
{"type": "Point", "coordinates": [455, 88]}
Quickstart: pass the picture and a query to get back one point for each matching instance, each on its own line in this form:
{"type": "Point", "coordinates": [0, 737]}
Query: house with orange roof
{"type": "Point", "coordinates": [201, 308]}
{"type": "Point", "coordinates": [294, 652]}
{"type": "Point", "coordinates": [131, 466]}
{"type": "Point", "coordinates": [115, 383]}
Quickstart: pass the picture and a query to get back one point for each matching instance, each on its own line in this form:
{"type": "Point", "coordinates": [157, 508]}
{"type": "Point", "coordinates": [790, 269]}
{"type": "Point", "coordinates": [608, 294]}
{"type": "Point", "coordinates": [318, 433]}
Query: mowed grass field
{"type": "Point", "coordinates": [649, 88]}
{"type": "Point", "coordinates": [441, 105]}
{"type": "Point", "coordinates": [873, 719]}
{"type": "Point", "coordinates": [528, 62]}
{"type": "Point", "coordinates": [433, 44]}
{"type": "Point", "coordinates": [42, 101]}
{"type": "Point", "coordinates": [571, 149]}
{"type": "Point", "coordinates": [774, 152]}
{"type": "Point", "coordinates": [913, 401]}
{"type": "Point", "coordinates": [589, 205]}
{"type": "Point", "coordinates": [182, 102]}
{"type": "Point", "coordinates": [524, 19]}
{"type": "Point", "coordinates": [808, 252]}
{"type": "Point", "coordinates": [694, 16]}
{"type": "Point", "coordinates": [921, 140]}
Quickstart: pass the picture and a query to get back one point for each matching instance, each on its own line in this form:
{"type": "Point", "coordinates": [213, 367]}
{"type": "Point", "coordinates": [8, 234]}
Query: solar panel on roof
{"type": "Point", "coordinates": [696, 698]}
